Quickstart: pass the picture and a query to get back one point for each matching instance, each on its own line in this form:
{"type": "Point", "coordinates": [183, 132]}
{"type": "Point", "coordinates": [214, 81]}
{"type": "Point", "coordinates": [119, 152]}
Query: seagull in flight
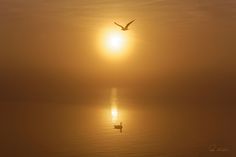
{"type": "Point", "coordinates": [124, 28]}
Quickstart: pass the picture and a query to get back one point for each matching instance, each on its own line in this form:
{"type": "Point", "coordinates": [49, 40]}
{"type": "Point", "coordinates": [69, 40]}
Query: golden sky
{"type": "Point", "coordinates": [169, 37]}
{"type": "Point", "coordinates": [175, 83]}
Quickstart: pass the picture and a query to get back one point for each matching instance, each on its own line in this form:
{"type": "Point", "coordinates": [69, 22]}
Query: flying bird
{"type": "Point", "coordinates": [124, 28]}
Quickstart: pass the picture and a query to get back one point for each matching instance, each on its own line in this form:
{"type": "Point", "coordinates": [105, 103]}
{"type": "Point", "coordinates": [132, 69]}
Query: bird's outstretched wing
{"type": "Point", "coordinates": [129, 24]}
{"type": "Point", "coordinates": [118, 25]}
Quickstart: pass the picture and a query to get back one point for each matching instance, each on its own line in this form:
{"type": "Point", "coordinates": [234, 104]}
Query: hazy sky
{"type": "Point", "coordinates": [177, 85]}
{"type": "Point", "coordinates": [55, 41]}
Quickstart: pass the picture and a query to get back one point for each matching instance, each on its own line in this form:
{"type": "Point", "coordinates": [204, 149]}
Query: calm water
{"type": "Point", "coordinates": [87, 130]}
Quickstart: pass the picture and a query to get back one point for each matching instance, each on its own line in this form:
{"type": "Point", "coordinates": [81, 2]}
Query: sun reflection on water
{"type": "Point", "coordinates": [114, 105]}
{"type": "Point", "coordinates": [114, 114]}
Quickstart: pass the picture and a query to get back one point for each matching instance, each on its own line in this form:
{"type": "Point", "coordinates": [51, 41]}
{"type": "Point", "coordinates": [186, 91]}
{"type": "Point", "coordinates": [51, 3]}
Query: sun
{"type": "Point", "coordinates": [115, 42]}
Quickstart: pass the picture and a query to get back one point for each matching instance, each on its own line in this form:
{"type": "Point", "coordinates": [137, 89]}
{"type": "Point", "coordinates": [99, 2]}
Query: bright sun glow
{"type": "Point", "coordinates": [114, 43]}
